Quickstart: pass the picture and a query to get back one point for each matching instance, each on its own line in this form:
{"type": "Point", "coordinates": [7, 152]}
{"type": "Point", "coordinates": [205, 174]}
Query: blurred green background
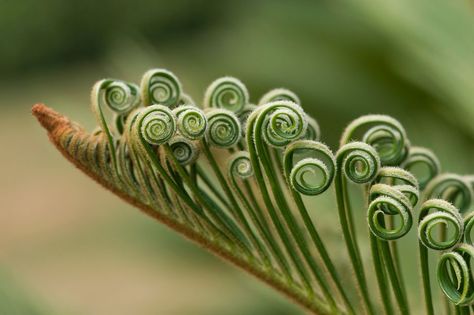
{"type": "Point", "coordinates": [69, 247]}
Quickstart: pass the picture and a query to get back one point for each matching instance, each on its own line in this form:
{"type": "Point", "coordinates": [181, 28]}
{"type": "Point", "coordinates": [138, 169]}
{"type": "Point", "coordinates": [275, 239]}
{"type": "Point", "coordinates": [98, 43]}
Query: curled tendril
{"type": "Point", "coordinates": [185, 150]}
{"type": "Point", "coordinates": [321, 167]}
{"type": "Point", "coordinates": [388, 200]}
{"type": "Point", "coordinates": [402, 180]}
{"type": "Point", "coordinates": [279, 123]}
{"type": "Point", "coordinates": [156, 124]}
{"type": "Point", "coordinates": [224, 129]}
{"type": "Point", "coordinates": [455, 275]}
{"type": "Point", "coordinates": [227, 93]}
{"type": "Point", "coordinates": [119, 96]}
{"type": "Point", "coordinates": [244, 115]}
{"type": "Point", "coordinates": [422, 157]}
{"type": "Point", "coordinates": [453, 188]}
{"type": "Point", "coordinates": [279, 95]}
{"type": "Point", "coordinates": [239, 165]}
{"type": "Point", "coordinates": [192, 122]}
{"type": "Point", "coordinates": [384, 133]}
{"type": "Point", "coordinates": [438, 212]}
{"type": "Point", "coordinates": [160, 86]}
{"type": "Point", "coordinates": [358, 161]}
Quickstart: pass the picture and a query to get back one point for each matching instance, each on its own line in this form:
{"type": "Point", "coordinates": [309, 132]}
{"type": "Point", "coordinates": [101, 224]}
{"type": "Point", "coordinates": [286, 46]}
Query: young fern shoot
{"type": "Point", "coordinates": [231, 176]}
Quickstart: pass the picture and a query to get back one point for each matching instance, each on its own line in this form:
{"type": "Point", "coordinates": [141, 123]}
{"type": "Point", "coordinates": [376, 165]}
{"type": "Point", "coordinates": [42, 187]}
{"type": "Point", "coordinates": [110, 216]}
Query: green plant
{"type": "Point", "coordinates": [233, 177]}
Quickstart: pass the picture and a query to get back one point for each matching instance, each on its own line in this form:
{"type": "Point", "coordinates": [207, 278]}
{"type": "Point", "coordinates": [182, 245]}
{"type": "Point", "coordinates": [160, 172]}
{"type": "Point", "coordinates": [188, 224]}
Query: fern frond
{"type": "Point", "coordinates": [233, 177]}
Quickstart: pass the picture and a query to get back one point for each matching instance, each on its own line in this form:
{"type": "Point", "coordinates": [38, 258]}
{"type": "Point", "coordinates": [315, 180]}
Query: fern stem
{"type": "Point", "coordinates": [425, 277]}
{"type": "Point", "coordinates": [392, 274]}
{"type": "Point", "coordinates": [381, 275]}
{"type": "Point", "coordinates": [237, 211]}
{"type": "Point", "coordinates": [349, 238]}
{"type": "Point", "coordinates": [322, 251]}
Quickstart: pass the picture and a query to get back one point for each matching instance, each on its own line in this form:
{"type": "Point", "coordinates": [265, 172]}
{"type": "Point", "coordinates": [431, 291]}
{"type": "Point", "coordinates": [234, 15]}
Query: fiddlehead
{"type": "Point", "coordinates": [159, 86]}
{"type": "Point", "coordinates": [384, 133]}
{"type": "Point", "coordinates": [436, 212]}
{"type": "Point", "coordinates": [455, 275]}
{"type": "Point", "coordinates": [224, 128]}
{"type": "Point", "coordinates": [185, 151]}
{"type": "Point", "coordinates": [157, 124]}
{"type": "Point", "coordinates": [192, 122]}
{"type": "Point", "coordinates": [226, 93]}
{"type": "Point", "coordinates": [389, 201]}
{"type": "Point", "coordinates": [278, 124]}
{"type": "Point", "coordinates": [322, 168]}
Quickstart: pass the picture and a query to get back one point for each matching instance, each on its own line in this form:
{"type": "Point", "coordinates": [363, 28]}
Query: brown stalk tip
{"type": "Point", "coordinates": [48, 118]}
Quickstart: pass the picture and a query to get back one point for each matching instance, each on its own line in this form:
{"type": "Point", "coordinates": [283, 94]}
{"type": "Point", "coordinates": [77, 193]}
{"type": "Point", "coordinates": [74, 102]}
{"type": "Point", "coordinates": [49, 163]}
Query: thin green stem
{"type": "Point", "coordinates": [291, 221]}
{"type": "Point", "coordinates": [237, 211]}
{"type": "Point", "coordinates": [350, 240]}
{"type": "Point", "coordinates": [218, 214]}
{"type": "Point", "coordinates": [392, 274]}
{"type": "Point", "coordinates": [381, 275]}
{"type": "Point", "coordinates": [209, 184]}
{"type": "Point", "coordinates": [264, 230]}
{"type": "Point", "coordinates": [322, 250]}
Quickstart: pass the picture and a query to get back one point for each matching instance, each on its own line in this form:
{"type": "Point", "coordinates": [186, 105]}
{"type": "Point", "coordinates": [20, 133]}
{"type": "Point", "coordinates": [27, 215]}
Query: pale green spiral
{"type": "Point", "coordinates": [119, 96]}
{"type": "Point", "coordinates": [402, 180]}
{"type": "Point", "coordinates": [436, 213]}
{"type": "Point", "coordinates": [457, 285]}
{"type": "Point", "coordinates": [279, 123]}
{"type": "Point", "coordinates": [389, 201]}
{"type": "Point", "coordinates": [184, 150]}
{"type": "Point", "coordinates": [227, 93]}
{"type": "Point", "coordinates": [382, 132]}
{"type": "Point", "coordinates": [161, 87]}
{"type": "Point", "coordinates": [224, 129]}
{"type": "Point", "coordinates": [239, 165]}
{"type": "Point", "coordinates": [192, 122]}
{"type": "Point", "coordinates": [358, 161]}
{"type": "Point", "coordinates": [313, 174]}
{"type": "Point", "coordinates": [279, 95]}
{"type": "Point", "coordinates": [157, 124]}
